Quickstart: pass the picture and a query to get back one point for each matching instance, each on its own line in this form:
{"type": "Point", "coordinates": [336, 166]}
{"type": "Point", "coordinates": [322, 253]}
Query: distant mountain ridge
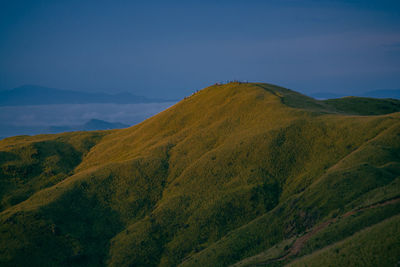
{"type": "Point", "coordinates": [7, 130]}
{"type": "Point", "coordinates": [383, 94]}
{"type": "Point", "coordinates": [38, 95]}
{"type": "Point", "coordinates": [374, 93]}
{"type": "Point", "coordinates": [91, 125]}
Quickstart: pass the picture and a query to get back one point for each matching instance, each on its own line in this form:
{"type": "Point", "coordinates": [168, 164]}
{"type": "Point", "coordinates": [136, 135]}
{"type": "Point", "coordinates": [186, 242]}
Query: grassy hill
{"type": "Point", "coordinates": [235, 174]}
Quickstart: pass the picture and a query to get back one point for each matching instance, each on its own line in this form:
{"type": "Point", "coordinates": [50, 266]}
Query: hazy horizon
{"type": "Point", "coordinates": [19, 120]}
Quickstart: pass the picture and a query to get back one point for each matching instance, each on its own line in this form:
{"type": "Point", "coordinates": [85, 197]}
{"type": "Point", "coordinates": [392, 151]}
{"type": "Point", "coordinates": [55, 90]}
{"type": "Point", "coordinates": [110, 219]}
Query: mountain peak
{"type": "Point", "coordinates": [230, 172]}
{"type": "Point", "coordinates": [289, 98]}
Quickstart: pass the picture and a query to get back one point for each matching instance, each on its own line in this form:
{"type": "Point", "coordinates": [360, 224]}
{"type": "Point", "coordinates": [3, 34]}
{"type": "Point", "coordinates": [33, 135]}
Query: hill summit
{"type": "Point", "coordinates": [240, 174]}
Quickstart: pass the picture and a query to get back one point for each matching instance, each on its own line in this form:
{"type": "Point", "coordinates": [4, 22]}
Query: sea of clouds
{"type": "Point", "coordinates": [18, 120]}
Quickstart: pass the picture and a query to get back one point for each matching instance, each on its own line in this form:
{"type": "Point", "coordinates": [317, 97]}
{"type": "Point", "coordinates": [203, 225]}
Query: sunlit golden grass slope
{"type": "Point", "coordinates": [226, 173]}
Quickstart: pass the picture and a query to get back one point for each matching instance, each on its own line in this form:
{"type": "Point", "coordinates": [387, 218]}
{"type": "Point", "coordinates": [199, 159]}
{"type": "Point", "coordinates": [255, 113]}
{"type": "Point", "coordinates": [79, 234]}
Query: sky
{"type": "Point", "coordinates": [171, 48]}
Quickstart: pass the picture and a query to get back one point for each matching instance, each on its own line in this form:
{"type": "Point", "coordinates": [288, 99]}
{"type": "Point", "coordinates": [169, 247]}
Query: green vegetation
{"type": "Point", "coordinates": [231, 172]}
{"type": "Point", "coordinates": [374, 246]}
{"type": "Point", "coordinates": [349, 225]}
{"type": "Point", "coordinates": [29, 164]}
{"type": "Point", "coordinates": [364, 105]}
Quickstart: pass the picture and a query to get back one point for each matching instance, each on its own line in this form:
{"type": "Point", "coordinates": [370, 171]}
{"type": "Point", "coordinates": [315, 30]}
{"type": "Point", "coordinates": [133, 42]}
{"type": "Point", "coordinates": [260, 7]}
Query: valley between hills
{"type": "Point", "coordinates": [239, 174]}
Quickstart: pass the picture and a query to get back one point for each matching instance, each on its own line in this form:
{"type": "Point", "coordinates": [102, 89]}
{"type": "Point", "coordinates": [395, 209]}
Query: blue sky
{"type": "Point", "coordinates": [171, 48]}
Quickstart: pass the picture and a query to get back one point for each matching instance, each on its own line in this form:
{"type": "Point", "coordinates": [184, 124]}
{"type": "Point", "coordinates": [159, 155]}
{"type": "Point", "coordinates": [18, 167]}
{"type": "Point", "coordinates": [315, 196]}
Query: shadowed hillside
{"type": "Point", "coordinates": [229, 173]}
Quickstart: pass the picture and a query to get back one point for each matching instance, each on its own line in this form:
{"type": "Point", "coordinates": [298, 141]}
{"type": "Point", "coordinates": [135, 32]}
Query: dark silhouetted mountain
{"type": "Point", "coordinates": [383, 94]}
{"type": "Point", "coordinates": [325, 95]}
{"type": "Point", "coordinates": [95, 124]}
{"type": "Point", "coordinates": [92, 125]}
{"type": "Point", "coordinates": [7, 130]}
{"type": "Point", "coordinates": [38, 95]}
{"type": "Point", "coordinates": [375, 94]}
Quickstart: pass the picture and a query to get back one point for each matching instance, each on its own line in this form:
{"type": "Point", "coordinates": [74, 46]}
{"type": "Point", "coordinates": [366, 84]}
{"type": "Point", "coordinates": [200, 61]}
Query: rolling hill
{"type": "Point", "coordinates": [236, 174]}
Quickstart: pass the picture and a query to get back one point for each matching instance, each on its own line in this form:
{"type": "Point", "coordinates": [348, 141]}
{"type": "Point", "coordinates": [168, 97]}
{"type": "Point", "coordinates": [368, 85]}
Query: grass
{"type": "Point", "coordinates": [348, 226]}
{"type": "Point", "coordinates": [373, 246]}
{"type": "Point", "coordinates": [29, 164]}
{"type": "Point", "coordinates": [364, 105]}
{"type": "Point", "coordinates": [228, 173]}
{"type": "Point", "coordinates": [269, 256]}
